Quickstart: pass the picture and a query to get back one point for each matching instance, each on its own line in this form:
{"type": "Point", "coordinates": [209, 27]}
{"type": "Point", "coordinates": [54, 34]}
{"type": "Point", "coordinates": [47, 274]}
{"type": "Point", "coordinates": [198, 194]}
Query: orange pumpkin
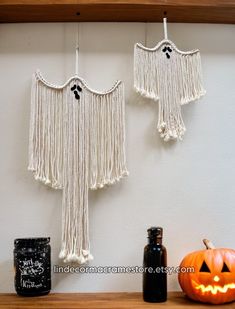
{"type": "Point", "coordinates": [213, 279]}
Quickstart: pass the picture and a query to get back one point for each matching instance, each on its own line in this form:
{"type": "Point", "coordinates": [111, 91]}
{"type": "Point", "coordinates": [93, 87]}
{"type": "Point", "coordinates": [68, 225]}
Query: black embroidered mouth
{"type": "Point", "coordinates": [167, 50]}
{"type": "Point", "coordinates": [76, 89]}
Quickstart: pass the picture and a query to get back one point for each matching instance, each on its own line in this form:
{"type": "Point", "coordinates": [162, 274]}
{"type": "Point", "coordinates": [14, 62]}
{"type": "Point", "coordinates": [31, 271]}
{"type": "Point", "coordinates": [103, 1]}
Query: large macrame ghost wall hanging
{"type": "Point", "coordinates": [170, 77]}
{"type": "Point", "coordinates": [77, 143]}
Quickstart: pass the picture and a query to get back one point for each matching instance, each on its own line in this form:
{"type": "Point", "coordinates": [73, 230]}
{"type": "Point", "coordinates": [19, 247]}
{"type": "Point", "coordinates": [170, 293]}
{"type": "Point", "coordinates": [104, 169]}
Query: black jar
{"type": "Point", "coordinates": [32, 262]}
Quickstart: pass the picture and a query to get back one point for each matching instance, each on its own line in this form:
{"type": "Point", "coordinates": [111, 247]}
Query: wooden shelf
{"type": "Point", "coordinates": [176, 300]}
{"type": "Point", "coordinates": [193, 11]}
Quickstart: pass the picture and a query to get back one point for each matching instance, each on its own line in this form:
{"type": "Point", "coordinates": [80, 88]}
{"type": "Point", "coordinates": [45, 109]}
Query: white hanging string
{"type": "Point", "coordinates": [77, 48]}
{"type": "Point", "coordinates": [146, 34]}
{"type": "Point", "coordinates": [77, 52]}
{"type": "Point", "coordinates": [165, 28]}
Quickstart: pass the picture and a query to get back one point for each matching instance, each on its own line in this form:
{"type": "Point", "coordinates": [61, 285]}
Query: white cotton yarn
{"type": "Point", "coordinates": [75, 145]}
{"type": "Point", "coordinates": [171, 81]}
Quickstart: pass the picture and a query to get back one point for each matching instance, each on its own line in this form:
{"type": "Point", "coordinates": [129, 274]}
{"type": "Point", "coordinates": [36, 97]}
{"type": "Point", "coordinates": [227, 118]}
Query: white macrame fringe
{"type": "Point", "coordinates": [75, 145]}
{"type": "Point", "coordinates": [172, 82]}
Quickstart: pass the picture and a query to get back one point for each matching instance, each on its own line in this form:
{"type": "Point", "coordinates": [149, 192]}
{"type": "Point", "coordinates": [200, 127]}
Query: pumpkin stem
{"type": "Point", "coordinates": [208, 244]}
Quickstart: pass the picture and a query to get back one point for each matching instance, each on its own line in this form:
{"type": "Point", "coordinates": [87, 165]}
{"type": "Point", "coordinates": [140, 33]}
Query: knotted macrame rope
{"type": "Point", "coordinates": [75, 145]}
{"type": "Point", "coordinates": [170, 77]}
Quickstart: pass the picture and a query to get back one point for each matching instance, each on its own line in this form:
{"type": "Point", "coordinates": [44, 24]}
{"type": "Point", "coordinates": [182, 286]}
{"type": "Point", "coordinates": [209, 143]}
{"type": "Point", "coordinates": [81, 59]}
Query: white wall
{"type": "Point", "coordinates": [186, 187]}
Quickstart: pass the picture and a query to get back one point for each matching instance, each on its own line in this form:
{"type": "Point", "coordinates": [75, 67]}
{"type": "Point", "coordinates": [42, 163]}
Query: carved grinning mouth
{"type": "Point", "coordinates": [214, 289]}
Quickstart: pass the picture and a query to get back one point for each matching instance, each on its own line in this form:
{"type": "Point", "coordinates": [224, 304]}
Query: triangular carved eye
{"type": "Point", "coordinates": [204, 268]}
{"type": "Point", "coordinates": [225, 268]}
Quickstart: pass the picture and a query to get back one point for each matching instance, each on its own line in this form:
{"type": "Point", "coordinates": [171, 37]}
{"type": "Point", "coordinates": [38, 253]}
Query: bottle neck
{"type": "Point", "coordinates": [155, 241]}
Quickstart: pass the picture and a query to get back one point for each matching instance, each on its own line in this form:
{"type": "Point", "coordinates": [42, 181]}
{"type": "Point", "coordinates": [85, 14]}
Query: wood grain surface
{"type": "Point", "coordinates": [198, 11]}
{"type": "Point", "coordinates": [176, 300]}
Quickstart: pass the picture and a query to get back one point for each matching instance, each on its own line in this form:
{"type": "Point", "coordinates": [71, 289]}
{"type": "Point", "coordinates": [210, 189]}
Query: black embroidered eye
{"type": "Point", "coordinates": [73, 88]}
{"type": "Point", "coordinates": [204, 268]}
{"type": "Point", "coordinates": [169, 49]}
{"type": "Point", "coordinates": [79, 88]}
{"type": "Point", "coordinates": [164, 49]}
{"type": "Point", "coordinates": [225, 268]}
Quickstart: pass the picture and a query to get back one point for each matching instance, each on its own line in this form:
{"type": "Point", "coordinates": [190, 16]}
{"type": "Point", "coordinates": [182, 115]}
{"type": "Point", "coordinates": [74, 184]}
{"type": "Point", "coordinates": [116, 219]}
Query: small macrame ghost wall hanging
{"type": "Point", "coordinates": [77, 143]}
{"type": "Point", "coordinates": [170, 77]}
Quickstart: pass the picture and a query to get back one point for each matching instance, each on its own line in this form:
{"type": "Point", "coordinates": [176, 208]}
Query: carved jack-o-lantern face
{"type": "Point", "coordinates": [213, 279]}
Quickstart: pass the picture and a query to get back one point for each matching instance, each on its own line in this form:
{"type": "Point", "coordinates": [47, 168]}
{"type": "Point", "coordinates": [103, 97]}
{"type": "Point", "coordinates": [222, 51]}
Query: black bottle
{"type": "Point", "coordinates": [32, 262]}
{"type": "Point", "coordinates": [155, 261]}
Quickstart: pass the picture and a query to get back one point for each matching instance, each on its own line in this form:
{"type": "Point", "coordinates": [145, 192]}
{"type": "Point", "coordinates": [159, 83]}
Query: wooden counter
{"type": "Point", "coordinates": [176, 300]}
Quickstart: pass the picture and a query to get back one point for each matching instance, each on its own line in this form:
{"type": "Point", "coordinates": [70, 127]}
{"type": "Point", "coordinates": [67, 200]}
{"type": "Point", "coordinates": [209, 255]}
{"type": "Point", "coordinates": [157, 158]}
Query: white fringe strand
{"type": "Point", "coordinates": [171, 80]}
{"type": "Point", "coordinates": [75, 145]}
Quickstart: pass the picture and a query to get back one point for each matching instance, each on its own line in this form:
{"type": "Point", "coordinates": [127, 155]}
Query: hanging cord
{"type": "Point", "coordinates": [145, 34]}
{"type": "Point", "coordinates": [165, 28]}
{"type": "Point", "coordinates": [77, 48]}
